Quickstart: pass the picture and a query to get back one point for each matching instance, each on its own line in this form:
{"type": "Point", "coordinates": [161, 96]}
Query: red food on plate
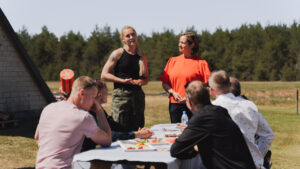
{"type": "Point", "coordinates": [154, 141]}
{"type": "Point", "coordinates": [170, 140]}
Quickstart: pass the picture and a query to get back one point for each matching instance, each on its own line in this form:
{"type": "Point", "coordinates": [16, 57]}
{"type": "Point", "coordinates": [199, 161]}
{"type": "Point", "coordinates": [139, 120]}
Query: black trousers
{"type": "Point", "coordinates": [176, 111]}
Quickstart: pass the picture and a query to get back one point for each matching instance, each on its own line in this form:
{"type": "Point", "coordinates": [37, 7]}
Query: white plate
{"type": "Point", "coordinates": [130, 146]}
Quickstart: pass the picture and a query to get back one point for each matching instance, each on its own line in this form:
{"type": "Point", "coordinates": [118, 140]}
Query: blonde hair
{"type": "Point", "coordinates": [82, 82]}
{"type": "Point", "coordinates": [219, 80]}
{"type": "Point", "coordinates": [124, 28]}
{"type": "Point", "coordinates": [197, 93]}
{"type": "Point", "coordinates": [138, 51]}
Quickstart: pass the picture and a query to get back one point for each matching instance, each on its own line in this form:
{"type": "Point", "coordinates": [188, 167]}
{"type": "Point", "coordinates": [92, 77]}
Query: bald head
{"type": "Point", "coordinates": [197, 93]}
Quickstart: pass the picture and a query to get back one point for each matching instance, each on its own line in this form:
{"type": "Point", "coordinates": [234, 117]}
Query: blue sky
{"type": "Point", "coordinates": [61, 16]}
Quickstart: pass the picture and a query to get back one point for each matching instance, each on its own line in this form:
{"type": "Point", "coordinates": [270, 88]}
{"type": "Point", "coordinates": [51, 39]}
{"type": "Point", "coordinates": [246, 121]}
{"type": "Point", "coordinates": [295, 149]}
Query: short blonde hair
{"type": "Point", "coordinates": [197, 93]}
{"type": "Point", "coordinates": [219, 81]}
{"type": "Point", "coordinates": [82, 82]}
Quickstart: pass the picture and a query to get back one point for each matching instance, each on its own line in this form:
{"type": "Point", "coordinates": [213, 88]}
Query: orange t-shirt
{"type": "Point", "coordinates": [181, 70]}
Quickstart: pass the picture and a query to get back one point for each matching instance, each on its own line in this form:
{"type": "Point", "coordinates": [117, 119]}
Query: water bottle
{"type": "Point", "coordinates": [184, 118]}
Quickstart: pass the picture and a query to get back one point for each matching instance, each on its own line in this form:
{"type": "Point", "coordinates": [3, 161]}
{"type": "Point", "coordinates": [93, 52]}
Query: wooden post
{"type": "Point", "coordinates": [297, 100]}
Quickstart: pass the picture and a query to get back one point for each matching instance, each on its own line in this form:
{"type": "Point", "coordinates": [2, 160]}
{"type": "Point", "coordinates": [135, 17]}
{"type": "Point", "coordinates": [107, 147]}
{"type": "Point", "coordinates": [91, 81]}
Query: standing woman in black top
{"type": "Point", "coordinates": [130, 73]}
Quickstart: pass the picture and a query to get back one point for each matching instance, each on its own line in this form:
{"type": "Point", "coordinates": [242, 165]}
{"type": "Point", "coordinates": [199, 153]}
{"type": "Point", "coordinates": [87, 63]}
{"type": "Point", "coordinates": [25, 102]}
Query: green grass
{"type": "Point", "coordinates": [275, 100]}
{"type": "Point", "coordinates": [286, 145]}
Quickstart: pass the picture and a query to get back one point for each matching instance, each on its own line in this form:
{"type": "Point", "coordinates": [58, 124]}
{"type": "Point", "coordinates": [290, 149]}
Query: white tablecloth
{"type": "Point", "coordinates": [115, 153]}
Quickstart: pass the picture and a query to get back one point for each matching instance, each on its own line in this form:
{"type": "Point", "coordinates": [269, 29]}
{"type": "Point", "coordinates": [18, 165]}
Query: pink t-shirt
{"type": "Point", "coordinates": [62, 128]}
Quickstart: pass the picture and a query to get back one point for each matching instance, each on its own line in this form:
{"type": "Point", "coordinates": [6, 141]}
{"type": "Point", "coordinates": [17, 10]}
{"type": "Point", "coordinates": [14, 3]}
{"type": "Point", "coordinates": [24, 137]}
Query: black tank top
{"type": "Point", "coordinates": [127, 67]}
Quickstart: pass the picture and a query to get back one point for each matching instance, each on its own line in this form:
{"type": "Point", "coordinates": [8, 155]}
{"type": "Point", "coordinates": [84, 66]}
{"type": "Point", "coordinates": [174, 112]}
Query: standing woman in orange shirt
{"type": "Point", "coordinates": [181, 70]}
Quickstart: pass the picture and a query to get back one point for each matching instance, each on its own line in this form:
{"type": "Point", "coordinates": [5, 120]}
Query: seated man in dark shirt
{"type": "Point", "coordinates": [211, 133]}
{"type": "Point", "coordinates": [118, 133]}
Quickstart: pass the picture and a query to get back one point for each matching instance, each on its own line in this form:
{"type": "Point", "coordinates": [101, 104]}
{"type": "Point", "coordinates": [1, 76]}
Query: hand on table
{"type": "Point", "coordinates": [182, 127]}
{"type": "Point", "coordinates": [143, 133]}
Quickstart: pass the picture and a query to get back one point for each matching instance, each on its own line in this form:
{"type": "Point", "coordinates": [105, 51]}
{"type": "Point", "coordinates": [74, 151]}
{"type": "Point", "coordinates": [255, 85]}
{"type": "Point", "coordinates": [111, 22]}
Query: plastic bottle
{"type": "Point", "coordinates": [184, 118]}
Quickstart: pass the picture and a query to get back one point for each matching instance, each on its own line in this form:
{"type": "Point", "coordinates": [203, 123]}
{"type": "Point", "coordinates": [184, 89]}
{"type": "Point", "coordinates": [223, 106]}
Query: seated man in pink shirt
{"type": "Point", "coordinates": [63, 126]}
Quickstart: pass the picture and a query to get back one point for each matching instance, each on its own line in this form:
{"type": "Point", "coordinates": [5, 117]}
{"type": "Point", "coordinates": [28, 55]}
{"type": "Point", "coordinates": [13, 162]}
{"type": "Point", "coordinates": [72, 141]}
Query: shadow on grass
{"type": "Point", "coordinates": [24, 128]}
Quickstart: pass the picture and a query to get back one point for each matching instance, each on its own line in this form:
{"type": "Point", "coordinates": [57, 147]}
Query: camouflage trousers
{"type": "Point", "coordinates": [127, 108]}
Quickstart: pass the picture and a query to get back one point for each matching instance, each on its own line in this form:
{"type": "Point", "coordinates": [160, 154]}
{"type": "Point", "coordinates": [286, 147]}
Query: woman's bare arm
{"type": "Point", "coordinates": [110, 65]}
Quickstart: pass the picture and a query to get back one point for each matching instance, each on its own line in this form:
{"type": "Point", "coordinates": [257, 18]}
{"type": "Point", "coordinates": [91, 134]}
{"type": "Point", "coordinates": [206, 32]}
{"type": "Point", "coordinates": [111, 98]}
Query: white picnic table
{"type": "Point", "coordinates": [116, 154]}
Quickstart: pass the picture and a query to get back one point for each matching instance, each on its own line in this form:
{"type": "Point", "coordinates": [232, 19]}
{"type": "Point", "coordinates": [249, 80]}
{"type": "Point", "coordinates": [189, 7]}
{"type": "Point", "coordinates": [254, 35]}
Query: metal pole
{"type": "Point", "coordinates": [297, 100]}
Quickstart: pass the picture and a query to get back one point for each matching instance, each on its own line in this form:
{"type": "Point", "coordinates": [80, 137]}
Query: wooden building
{"type": "Point", "coordinates": [23, 92]}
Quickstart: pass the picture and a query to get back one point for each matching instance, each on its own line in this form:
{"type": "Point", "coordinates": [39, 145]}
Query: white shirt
{"type": "Point", "coordinates": [245, 114]}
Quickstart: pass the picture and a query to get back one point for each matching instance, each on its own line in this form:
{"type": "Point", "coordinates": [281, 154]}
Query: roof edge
{"type": "Point", "coordinates": [28, 62]}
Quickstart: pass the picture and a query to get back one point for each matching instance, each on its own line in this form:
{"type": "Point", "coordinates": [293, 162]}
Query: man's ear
{"type": "Point", "coordinates": [189, 104]}
{"type": "Point", "coordinates": [211, 91]}
{"type": "Point", "coordinates": [81, 93]}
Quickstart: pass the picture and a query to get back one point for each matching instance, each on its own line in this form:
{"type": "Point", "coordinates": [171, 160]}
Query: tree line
{"type": "Point", "coordinates": [250, 52]}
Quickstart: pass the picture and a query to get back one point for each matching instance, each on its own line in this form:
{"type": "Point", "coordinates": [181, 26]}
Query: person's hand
{"type": "Point", "coordinates": [182, 127]}
{"type": "Point", "coordinates": [182, 101]}
{"type": "Point", "coordinates": [137, 82]}
{"type": "Point", "coordinates": [127, 81]}
{"type": "Point", "coordinates": [96, 107]}
{"type": "Point", "coordinates": [176, 96]}
{"type": "Point", "coordinates": [143, 133]}
{"type": "Point", "coordinates": [196, 148]}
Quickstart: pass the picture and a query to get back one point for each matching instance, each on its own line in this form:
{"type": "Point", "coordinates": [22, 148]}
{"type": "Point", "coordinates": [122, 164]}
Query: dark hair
{"type": "Point", "coordinates": [192, 38]}
{"type": "Point", "coordinates": [100, 85]}
{"type": "Point", "coordinates": [235, 87]}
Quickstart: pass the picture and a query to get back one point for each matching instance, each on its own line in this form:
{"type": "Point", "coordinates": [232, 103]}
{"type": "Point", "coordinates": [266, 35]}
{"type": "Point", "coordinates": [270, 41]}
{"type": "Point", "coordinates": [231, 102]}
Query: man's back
{"type": "Point", "coordinates": [62, 127]}
{"type": "Point", "coordinates": [219, 140]}
{"type": "Point", "coordinates": [245, 114]}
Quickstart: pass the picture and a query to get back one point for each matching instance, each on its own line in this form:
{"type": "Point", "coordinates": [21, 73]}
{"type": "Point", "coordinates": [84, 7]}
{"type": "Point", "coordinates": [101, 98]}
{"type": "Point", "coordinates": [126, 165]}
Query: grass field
{"type": "Point", "coordinates": [275, 100]}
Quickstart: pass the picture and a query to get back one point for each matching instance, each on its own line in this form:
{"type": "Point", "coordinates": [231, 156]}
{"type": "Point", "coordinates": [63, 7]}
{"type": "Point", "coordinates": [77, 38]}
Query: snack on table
{"type": "Point", "coordinates": [170, 135]}
{"type": "Point", "coordinates": [170, 140]}
{"type": "Point", "coordinates": [133, 145]}
{"type": "Point", "coordinates": [157, 141]}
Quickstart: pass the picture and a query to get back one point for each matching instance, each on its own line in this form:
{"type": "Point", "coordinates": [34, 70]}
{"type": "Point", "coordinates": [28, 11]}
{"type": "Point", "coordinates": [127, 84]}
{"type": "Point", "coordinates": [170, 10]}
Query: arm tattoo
{"type": "Point", "coordinates": [112, 57]}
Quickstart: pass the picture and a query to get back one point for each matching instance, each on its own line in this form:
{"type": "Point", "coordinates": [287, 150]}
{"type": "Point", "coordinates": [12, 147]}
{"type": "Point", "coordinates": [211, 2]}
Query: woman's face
{"type": "Point", "coordinates": [184, 46]}
{"type": "Point", "coordinates": [102, 96]}
{"type": "Point", "coordinates": [129, 37]}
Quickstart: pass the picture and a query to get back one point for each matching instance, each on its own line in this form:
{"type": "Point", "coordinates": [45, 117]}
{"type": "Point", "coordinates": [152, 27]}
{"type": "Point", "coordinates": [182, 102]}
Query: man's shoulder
{"type": "Point", "coordinates": [247, 103]}
{"type": "Point", "coordinates": [60, 104]}
{"type": "Point", "coordinates": [210, 110]}
{"type": "Point", "coordinates": [66, 107]}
